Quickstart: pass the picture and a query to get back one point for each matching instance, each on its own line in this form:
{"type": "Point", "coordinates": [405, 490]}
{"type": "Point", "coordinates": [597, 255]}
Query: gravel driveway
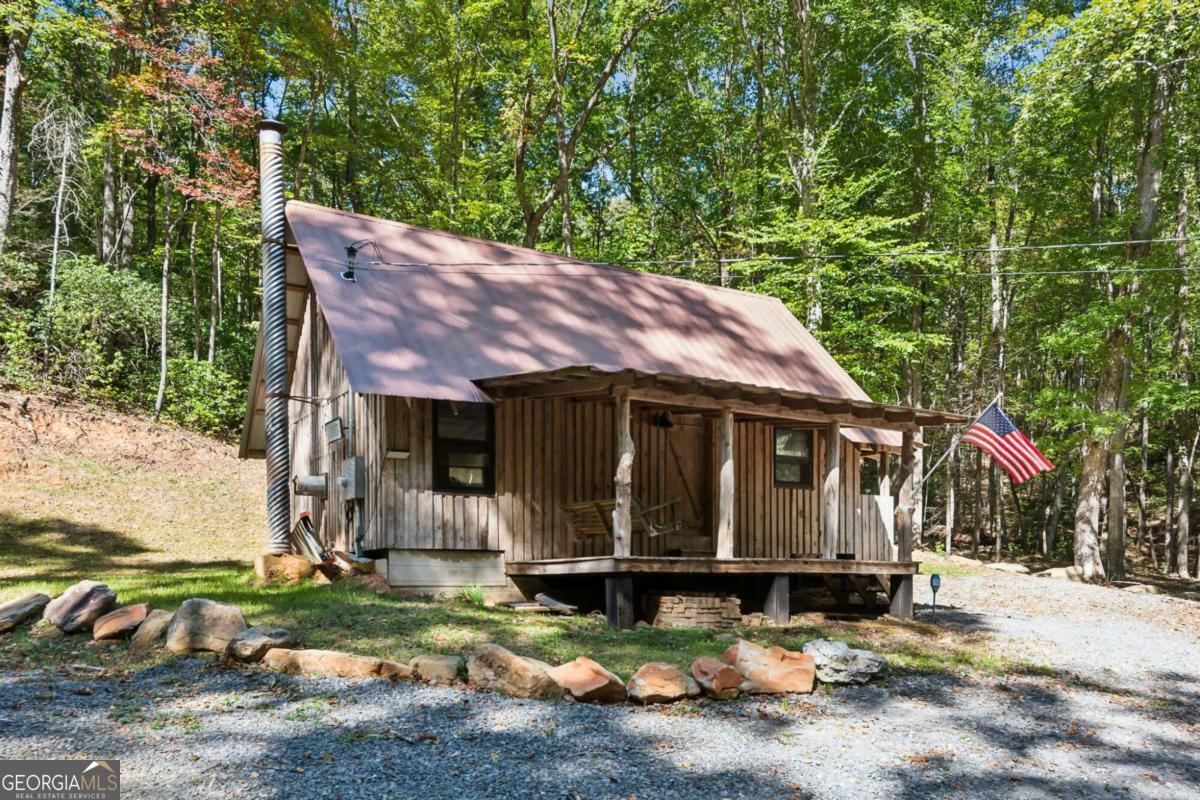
{"type": "Point", "coordinates": [1118, 716]}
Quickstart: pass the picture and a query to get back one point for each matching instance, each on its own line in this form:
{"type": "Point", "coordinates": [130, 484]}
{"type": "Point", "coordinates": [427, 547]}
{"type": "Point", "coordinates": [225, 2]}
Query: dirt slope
{"type": "Point", "coordinates": [85, 491]}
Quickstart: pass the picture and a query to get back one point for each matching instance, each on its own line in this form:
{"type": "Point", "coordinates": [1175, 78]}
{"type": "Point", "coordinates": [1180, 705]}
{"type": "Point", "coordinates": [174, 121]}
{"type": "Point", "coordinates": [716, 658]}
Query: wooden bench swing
{"type": "Point", "coordinates": [594, 518]}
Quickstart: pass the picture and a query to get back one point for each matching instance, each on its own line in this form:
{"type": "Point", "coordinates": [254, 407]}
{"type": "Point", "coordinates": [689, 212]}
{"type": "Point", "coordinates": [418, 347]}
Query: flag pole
{"type": "Point", "coordinates": [953, 444]}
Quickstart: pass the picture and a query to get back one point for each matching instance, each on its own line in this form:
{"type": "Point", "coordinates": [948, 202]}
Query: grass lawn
{"type": "Point", "coordinates": [162, 516]}
{"type": "Point", "coordinates": [352, 618]}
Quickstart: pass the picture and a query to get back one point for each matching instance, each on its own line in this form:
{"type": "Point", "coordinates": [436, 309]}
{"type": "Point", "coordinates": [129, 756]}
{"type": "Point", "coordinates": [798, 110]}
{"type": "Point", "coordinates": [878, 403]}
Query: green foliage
{"type": "Point", "coordinates": [98, 329]}
{"type": "Point", "coordinates": [472, 595]}
{"type": "Point", "coordinates": [696, 135]}
{"type": "Point", "coordinates": [203, 397]}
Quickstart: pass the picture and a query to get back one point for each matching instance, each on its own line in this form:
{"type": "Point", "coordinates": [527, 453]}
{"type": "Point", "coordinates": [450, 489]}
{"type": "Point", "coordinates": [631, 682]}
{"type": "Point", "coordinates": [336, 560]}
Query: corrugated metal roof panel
{"type": "Point", "coordinates": [430, 312]}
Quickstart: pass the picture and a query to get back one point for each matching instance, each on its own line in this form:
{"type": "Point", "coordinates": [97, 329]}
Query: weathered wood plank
{"type": "Point", "coordinates": [602, 565]}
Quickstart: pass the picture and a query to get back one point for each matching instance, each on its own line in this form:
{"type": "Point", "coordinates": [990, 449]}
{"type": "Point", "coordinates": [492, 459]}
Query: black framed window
{"type": "Point", "coordinates": [794, 458]}
{"type": "Point", "coordinates": [870, 470]}
{"type": "Point", "coordinates": [464, 447]}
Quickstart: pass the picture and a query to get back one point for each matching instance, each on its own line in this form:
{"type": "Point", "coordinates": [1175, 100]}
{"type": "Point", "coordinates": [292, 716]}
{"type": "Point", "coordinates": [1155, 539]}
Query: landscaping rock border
{"type": "Point", "coordinates": [203, 625]}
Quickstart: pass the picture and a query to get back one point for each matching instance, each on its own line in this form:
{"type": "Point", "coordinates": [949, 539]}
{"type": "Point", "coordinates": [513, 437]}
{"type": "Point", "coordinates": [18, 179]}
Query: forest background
{"type": "Point", "coordinates": [962, 199]}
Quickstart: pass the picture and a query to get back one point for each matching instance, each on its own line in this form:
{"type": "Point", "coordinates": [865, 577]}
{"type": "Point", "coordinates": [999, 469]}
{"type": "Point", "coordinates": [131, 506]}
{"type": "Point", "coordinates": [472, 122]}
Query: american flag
{"type": "Point", "coordinates": [994, 433]}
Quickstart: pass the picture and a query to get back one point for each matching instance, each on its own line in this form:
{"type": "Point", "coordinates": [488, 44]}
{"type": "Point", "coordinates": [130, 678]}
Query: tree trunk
{"type": "Point", "coordinates": [1117, 516]}
{"type": "Point", "coordinates": [1110, 387]}
{"type": "Point", "coordinates": [1001, 520]}
{"type": "Point", "coordinates": [195, 286]}
{"type": "Point", "coordinates": [1087, 509]}
{"type": "Point", "coordinates": [59, 222]}
{"type": "Point", "coordinates": [10, 120]}
{"type": "Point", "coordinates": [1182, 346]}
{"type": "Point", "coordinates": [164, 297]}
{"type": "Point", "coordinates": [1183, 516]}
{"type": "Point", "coordinates": [215, 309]}
{"type": "Point", "coordinates": [1053, 514]}
{"type": "Point", "coordinates": [977, 528]}
{"type": "Point", "coordinates": [557, 67]}
{"type": "Point", "coordinates": [951, 480]}
{"type": "Point", "coordinates": [1141, 481]}
{"type": "Point", "coordinates": [1170, 548]}
{"type": "Point", "coordinates": [110, 220]}
{"type": "Point", "coordinates": [152, 183]}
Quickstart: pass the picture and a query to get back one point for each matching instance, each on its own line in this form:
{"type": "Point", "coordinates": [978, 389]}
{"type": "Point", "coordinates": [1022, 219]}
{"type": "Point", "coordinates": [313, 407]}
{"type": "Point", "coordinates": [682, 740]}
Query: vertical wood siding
{"type": "Point", "coordinates": [550, 453]}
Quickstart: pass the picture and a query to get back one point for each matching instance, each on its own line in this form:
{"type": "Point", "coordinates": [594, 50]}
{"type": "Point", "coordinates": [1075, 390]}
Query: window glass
{"type": "Point", "coordinates": [463, 457]}
{"type": "Point", "coordinates": [793, 457]}
{"type": "Point", "coordinates": [869, 471]}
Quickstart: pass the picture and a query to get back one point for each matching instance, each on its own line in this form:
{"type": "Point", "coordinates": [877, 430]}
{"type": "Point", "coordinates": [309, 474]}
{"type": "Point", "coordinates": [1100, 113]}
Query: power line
{"type": "Point", "coordinates": [493, 268]}
{"type": "Point", "coordinates": [773, 258]}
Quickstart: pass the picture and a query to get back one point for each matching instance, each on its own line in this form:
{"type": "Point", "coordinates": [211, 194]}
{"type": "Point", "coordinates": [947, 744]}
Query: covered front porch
{"type": "Point", "coordinates": [708, 492]}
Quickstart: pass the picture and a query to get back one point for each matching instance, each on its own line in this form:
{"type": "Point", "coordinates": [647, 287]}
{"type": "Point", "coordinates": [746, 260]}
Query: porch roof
{"type": "Point", "coordinates": [873, 423]}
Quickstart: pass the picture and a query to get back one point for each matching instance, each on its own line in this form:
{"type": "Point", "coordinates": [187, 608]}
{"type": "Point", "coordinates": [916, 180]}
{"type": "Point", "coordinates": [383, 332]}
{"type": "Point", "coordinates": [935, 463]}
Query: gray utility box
{"type": "Point", "coordinates": [353, 479]}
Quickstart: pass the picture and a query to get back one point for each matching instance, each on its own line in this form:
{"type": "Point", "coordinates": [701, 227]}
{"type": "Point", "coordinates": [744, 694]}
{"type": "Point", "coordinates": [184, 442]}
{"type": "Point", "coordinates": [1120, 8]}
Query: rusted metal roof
{"type": "Point", "coordinates": [404, 328]}
{"type": "Point", "coordinates": [431, 312]}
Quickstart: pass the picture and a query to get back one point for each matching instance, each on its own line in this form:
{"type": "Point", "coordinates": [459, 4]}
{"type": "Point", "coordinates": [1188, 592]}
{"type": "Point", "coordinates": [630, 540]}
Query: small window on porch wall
{"type": "Point", "coordinates": [869, 472]}
{"type": "Point", "coordinates": [463, 448]}
{"type": "Point", "coordinates": [793, 458]}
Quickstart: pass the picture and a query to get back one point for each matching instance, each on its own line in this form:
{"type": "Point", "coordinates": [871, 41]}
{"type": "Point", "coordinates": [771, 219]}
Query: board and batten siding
{"type": "Point", "coordinates": [785, 522]}
{"type": "Point", "coordinates": [550, 453]}
{"type": "Point", "coordinates": [320, 393]}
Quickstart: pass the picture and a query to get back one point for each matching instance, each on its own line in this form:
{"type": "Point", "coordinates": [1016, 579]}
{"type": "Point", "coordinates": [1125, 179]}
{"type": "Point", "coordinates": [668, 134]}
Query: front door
{"type": "Point", "coordinates": [686, 473]}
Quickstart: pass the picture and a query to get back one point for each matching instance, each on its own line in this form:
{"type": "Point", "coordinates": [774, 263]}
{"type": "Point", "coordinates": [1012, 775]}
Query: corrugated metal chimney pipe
{"type": "Point", "coordinates": [274, 322]}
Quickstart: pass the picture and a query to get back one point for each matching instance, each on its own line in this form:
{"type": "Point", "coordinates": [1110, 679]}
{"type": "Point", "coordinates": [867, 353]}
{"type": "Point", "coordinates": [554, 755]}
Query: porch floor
{"type": "Point", "coordinates": [628, 565]}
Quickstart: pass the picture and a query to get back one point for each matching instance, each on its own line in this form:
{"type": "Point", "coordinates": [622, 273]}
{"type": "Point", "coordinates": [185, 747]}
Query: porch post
{"type": "Point", "coordinates": [831, 494]}
{"type": "Point", "coordinates": [618, 600]}
{"type": "Point", "coordinates": [725, 486]}
{"type": "Point", "coordinates": [778, 604]}
{"type": "Point", "coordinates": [902, 585]}
{"type": "Point", "coordinates": [623, 480]}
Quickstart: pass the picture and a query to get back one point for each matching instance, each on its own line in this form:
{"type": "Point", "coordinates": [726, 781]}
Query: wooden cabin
{"type": "Point", "coordinates": [473, 413]}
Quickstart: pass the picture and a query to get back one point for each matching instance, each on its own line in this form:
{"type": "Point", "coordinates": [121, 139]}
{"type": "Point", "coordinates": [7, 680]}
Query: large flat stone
{"type": "Point", "coordinates": [716, 678]}
{"type": "Point", "coordinates": [588, 682]}
{"type": "Point", "coordinates": [438, 668]}
{"type": "Point", "coordinates": [151, 633]}
{"type": "Point", "coordinates": [121, 623]}
{"type": "Point", "coordinates": [773, 670]}
{"type": "Point", "coordinates": [21, 610]}
{"type": "Point", "coordinates": [202, 624]}
{"type": "Point", "coordinates": [79, 606]}
{"type": "Point", "coordinates": [657, 682]}
{"type": "Point", "coordinates": [325, 663]}
{"type": "Point", "coordinates": [493, 667]}
{"type": "Point", "coordinates": [837, 662]}
{"type": "Point", "coordinates": [252, 644]}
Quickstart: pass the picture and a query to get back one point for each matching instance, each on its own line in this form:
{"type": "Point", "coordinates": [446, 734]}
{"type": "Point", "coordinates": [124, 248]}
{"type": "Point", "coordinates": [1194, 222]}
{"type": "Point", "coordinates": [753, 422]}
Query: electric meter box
{"type": "Point", "coordinates": [354, 478]}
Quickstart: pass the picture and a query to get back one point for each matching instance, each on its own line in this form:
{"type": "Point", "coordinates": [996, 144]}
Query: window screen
{"type": "Point", "coordinates": [463, 447]}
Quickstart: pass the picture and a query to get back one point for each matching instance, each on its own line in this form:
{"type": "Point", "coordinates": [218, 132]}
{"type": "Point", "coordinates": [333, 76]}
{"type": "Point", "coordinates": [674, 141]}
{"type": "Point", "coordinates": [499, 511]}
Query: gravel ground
{"type": "Point", "coordinates": [1118, 716]}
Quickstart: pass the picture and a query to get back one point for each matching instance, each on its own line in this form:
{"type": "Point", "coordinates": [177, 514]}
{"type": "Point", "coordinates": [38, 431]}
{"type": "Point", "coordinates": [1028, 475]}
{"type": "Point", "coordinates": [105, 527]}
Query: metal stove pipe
{"type": "Point", "coordinates": [274, 322]}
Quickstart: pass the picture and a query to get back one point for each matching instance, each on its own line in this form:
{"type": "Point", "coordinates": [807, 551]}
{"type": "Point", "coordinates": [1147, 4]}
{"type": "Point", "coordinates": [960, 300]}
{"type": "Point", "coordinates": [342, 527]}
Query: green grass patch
{"type": "Point", "coordinates": [350, 618]}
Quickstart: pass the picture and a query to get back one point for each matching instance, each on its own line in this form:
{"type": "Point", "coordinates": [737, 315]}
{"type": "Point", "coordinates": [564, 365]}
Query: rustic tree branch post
{"type": "Point", "coordinates": [623, 480]}
{"type": "Point", "coordinates": [725, 490]}
{"type": "Point", "coordinates": [831, 490]}
{"type": "Point", "coordinates": [902, 585]}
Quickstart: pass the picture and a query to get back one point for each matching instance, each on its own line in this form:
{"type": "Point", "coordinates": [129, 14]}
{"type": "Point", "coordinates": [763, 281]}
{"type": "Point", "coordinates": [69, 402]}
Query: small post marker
{"type": "Point", "coordinates": [935, 583]}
